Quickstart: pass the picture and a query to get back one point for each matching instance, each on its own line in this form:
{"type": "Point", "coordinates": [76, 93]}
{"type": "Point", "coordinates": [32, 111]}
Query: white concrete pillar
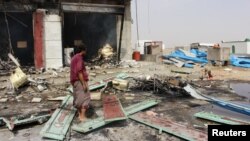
{"type": "Point", "coordinates": [53, 41]}
{"type": "Point", "coordinates": [126, 50]}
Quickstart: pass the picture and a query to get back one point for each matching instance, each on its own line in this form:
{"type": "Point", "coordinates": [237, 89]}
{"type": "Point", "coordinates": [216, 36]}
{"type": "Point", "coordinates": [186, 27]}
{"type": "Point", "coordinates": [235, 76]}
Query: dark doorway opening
{"type": "Point", "coordinates": [92, 29]}
{"type": "Point", "coordinates": [21, 34]}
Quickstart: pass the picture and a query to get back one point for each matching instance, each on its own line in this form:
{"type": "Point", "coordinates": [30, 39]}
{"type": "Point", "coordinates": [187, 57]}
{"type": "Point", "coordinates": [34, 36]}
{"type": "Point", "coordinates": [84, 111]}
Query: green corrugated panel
{"type": "Point", "coordinates": [99, 122]}
{"type": "Point", "coordinates": [58, 125]}
{"type": "Point", "coordinates": [220, 119]}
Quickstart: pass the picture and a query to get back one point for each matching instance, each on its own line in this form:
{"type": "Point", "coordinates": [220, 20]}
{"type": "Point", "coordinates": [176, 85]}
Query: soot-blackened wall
{"type": "Point", "coordinates": [93, 29]}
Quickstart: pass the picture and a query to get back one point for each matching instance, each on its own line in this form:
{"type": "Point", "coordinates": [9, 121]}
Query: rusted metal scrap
{"type": "Point", "coordinates": [160, 85]}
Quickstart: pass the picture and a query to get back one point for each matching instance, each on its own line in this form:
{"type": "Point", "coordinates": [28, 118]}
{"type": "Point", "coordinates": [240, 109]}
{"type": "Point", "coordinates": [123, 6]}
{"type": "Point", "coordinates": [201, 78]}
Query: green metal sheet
{"type": "Point", "coordinates": [40, 119]}
{"type": "Point", "coordinates": [58, 125]}
{"type": "Point", "coordinates": [102, 83]}
{"type": "Point", "coordinates": [140, 106]}
{"type": "Point", "coordinates": [15, 121]}
{"type": "Point", "coordinates": [90, 125]}
{"type": "Point", "coordinates": [171, 127]}
{"type": "Point", "coordinates": [220, 119]}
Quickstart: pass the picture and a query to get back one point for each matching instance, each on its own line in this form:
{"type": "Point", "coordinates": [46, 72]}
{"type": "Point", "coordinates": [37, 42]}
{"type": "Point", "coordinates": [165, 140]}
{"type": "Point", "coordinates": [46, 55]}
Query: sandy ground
{"type": "Point", "coordinates": [179, 109]}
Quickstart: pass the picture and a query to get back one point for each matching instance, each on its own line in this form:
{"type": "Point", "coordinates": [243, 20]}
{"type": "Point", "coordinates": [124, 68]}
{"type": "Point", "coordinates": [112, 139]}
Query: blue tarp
{"type": "Point", "coordinates": [181, 55]}
{"type": "Point", "coordinates": [240, 62]}
{"type": "Point", "coordinates": [199, 54]}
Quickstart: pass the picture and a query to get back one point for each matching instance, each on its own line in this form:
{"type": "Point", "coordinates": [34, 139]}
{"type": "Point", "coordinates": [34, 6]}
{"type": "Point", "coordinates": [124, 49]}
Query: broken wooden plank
{"type": "Point", "coordinates": [112, 109]}
{"type": "Point", "coordinates": [58, 125]}
{"type": "Point", "coordinates": [220, 119]}
{"type": "Point", "coordinates": [90, 125]}
{"type": "Point", "coordinates": [170, 127]}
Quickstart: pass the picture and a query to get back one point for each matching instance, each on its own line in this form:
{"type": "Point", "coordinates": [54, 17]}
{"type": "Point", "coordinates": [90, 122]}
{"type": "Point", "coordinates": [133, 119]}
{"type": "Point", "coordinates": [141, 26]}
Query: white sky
{"type": "Point", "coordinates": [181, 22]}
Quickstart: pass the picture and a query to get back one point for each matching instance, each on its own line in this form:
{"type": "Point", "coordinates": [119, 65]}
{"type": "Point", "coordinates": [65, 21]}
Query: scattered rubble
{"type": "Point", "coordinates": [106, 58]}
{"type": "Point", "coordinates": [160, 85]}
{"type": "Point", "coordinates": [50, 87]}
{"type": "Point", "coordinates": [35, 100]}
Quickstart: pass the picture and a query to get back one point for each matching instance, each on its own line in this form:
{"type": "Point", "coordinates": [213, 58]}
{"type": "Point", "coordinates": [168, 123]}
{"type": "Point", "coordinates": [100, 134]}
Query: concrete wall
{"type": "Point", "coordinates": [126, 50]}
{"type": "Point", "coordinates": [53, 41]}
{"type": "Point", "coordinates": [240, 47]}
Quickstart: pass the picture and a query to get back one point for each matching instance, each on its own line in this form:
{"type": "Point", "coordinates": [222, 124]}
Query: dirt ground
{"type": "Point", "coordinates": [179, 109]}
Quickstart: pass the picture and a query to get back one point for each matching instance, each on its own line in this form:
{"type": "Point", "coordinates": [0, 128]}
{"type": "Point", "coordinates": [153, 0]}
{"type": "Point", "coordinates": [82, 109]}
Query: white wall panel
{"type": "Point", "coordinates": [53, 41]}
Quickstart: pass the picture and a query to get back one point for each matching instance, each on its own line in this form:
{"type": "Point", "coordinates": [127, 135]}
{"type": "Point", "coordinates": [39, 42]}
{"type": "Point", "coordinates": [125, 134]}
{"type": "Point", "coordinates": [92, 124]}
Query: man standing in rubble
{"type": "Point", "coordinates": [79, 80]}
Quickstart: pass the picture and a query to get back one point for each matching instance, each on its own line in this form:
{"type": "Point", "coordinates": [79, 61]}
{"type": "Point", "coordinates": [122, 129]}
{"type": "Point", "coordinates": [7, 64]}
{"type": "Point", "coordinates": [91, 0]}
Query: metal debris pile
{"type": "Point", "coordinates": [160, 85]}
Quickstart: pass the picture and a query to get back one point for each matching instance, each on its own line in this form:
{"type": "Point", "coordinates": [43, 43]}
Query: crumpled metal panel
{"type": "Point", "coordinates": [170, 127]}
{"type": "Point", "coordinates": [58, 125]}
{"type": "Point", "coordinates": [11, 123]}
{"type": "Point", "coordinates": [90, 125]}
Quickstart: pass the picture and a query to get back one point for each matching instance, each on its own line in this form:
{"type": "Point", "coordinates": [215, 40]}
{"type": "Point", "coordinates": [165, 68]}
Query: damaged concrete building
{"type": "Point", "coordinates": [43, 32]}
